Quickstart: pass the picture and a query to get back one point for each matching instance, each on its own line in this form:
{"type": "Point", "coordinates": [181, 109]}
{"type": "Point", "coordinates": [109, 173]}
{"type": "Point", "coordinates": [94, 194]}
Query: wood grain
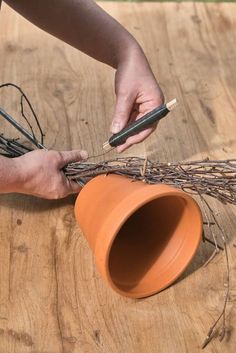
{"type": "Point", "coordinates": [52, 299]}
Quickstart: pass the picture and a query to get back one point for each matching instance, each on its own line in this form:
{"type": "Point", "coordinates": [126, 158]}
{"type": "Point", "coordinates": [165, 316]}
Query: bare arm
{"type": "Point", "coordinates": [84, 25]}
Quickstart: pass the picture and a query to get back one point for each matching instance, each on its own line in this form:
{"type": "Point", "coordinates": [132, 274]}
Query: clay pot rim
{"type": "Point", "coordinates": [105, 242]}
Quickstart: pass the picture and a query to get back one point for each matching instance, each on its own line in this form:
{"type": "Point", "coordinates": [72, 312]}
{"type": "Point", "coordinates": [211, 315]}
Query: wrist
{"type": "Point", "coordinates": [11, 175]}
{"type": "Point", "coordinates": [17, 182]}
{"type": "Point", "coordinates": [27, 170]}
{"type": "Point", "coordinates": [132, 53]}
{"type": "Point", "coordinates": [129, 49]}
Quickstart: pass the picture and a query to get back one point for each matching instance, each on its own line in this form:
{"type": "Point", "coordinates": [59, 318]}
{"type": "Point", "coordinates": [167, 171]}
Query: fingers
{"type": "Point", "coordinates": [136, 139]}
{"type": "Point", "coordinates": [72, 156]}
{"type": "Point", "coordinates": [124, 105]}
{"type": "Point", "coordinates": [127, 111]}
{"type": "Point", "coordinates": [141, 136]}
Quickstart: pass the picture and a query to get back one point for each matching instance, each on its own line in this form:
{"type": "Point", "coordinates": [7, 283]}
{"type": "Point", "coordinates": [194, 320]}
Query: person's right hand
{"type": "Point", "coordinates": [40, 173]}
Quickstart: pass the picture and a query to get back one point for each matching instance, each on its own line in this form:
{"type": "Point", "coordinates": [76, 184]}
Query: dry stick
{"type": "Point", "coordinates": [24, 116]}
{"type": "Point", "coordinates": [226, 296]}
{"type": "Point", "coordinates": [212, 243]}
{"type": "Point", "coordinates": [20, 128]}
{"type": "Point", "coordinates": [209, 223]}
{"type": "Point", "coordinates": [216, 251]}
{"type": "Point", "coordinates": [220, 183]}
{"type": "Point", "coordinates": [23, 96]}
{"type": "Point", "coordinates": [143, 169]}
{"type": "Point", "coordinates": [211, 332]}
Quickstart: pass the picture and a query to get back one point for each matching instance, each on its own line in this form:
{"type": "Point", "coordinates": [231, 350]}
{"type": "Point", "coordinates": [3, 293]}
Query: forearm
{"type": "Point", "coordinates": [10, 175]}
{"type": "Point", "coordinates": [82, 24]}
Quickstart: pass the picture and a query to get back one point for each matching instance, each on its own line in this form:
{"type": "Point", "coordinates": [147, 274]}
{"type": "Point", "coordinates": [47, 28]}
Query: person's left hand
{"type": "Point", "coordinates": [137, 93]}
{"type": "Point", "coordinates": [40, 173]}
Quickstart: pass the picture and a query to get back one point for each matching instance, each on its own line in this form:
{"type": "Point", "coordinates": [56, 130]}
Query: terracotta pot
{"type": "Point", "coordinates": [142, 236]}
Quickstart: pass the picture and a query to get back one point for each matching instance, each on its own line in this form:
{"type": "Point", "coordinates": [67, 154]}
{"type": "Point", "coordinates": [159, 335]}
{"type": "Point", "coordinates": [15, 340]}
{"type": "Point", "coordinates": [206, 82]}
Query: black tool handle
{"type": "Point", "coordinates": [139, 125]}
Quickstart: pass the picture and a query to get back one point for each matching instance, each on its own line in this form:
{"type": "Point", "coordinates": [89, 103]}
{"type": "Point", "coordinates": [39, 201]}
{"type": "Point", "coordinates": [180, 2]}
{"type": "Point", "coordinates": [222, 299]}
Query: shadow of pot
{"type": "Point", "coordinates": [142, 236]}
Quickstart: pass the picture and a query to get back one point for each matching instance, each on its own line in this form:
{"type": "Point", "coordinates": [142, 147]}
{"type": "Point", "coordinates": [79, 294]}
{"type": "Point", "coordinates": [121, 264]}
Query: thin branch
{"type": "Point", "coordinates": [222, 314]}
{"type": "Point", "coordinates": [23, 96]}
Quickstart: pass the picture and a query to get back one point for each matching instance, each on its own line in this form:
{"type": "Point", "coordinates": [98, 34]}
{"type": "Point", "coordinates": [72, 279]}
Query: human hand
{"type": "Point", "coordinates": [40, 173]}
{"type": "Point", "coordinates": [137, 93]}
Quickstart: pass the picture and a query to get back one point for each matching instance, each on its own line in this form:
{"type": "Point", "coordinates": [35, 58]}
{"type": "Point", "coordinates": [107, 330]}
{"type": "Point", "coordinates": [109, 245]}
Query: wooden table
{"type": "Point", "coordinates": [52, 299]}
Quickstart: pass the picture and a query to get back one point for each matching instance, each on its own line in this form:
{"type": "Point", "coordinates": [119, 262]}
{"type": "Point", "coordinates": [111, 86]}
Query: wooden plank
{"type": "Point", "coordinates": [52, 299]}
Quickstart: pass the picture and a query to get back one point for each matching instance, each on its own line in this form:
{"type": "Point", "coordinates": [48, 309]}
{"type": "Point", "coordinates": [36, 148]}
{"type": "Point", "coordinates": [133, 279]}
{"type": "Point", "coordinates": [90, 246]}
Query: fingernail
{"type": "Point", "coordinates": [84, 154]}
{"type": "Point", "coordinates": [115, 127]}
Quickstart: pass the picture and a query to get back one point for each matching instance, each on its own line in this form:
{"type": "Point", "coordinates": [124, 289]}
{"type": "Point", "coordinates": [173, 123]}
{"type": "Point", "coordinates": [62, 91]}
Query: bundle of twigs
{"type": "Point", "coordinates": [206, 177]}
{"type": "Point", "coordinates": [12, 147]}
{"type": "Point", "coordinates": [215, 178]}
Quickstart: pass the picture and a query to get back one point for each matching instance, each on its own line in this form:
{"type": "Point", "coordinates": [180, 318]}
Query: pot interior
{"type": "Point", "coordinates": [154, 245]}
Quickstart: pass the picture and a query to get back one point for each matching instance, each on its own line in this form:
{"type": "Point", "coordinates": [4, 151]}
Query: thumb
{"type": "Point", "coordinates": [72, 156]}
{"type": "Point", "coordinates": [123, 108]}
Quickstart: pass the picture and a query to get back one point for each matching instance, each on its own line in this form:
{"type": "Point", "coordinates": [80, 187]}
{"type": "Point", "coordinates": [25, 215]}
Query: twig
{"type": "Point", "coordinates": [213, 243]}
{"type": "Point", "coordinates": [222, 314]}
{"type": "Point", "coordinates": [23, 96]}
